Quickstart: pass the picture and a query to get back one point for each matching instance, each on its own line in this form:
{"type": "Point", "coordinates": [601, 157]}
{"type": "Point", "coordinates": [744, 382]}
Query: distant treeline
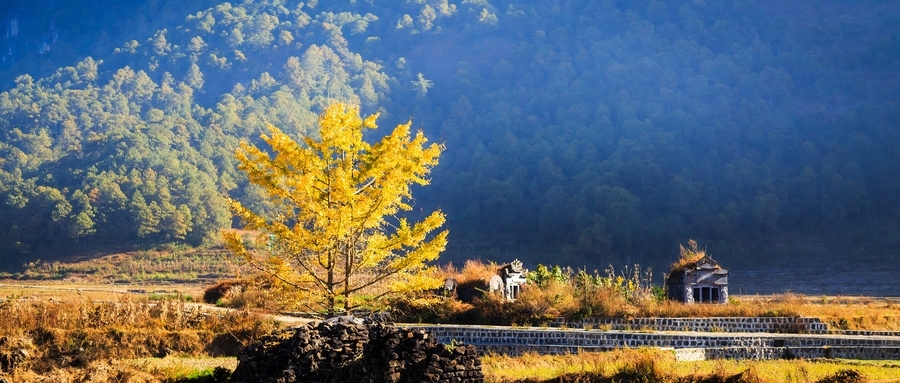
{"type": "Point", "coordinates": [601, 131]}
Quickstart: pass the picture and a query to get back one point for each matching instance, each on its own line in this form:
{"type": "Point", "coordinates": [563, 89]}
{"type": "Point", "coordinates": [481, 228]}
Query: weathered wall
{"type": "Point", "coordinates": [713, 324]}
{"type": "Point", "coordinates": [735, 345]}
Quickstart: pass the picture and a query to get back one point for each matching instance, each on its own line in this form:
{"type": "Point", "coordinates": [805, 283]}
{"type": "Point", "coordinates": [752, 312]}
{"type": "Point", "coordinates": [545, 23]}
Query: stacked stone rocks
{"type": "Point", "coordinates": [347, 350]}
{"type": "Point", "coordinates": [400, 355]}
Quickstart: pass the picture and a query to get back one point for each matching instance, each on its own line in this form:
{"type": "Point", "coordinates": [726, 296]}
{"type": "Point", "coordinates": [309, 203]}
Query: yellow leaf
{"type": "Point", "coordinates": [336, 237]}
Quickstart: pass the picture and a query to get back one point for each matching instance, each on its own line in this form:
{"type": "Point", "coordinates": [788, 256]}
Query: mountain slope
{"type": "Point", "coordinates": [596, 131]}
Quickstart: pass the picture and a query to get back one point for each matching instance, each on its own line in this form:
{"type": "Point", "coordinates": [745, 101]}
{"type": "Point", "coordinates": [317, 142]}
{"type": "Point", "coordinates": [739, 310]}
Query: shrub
{"type": "Point", "coordinates": [643, 367]}
{"type": "Point", "coordinates": [554, 299]}
{"type": "Point", "coordinates": [216, 293]}
{"type": "Point", "coordinates": [843, 376]}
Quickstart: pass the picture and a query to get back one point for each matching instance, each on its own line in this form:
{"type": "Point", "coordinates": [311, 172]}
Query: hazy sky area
{"type": "Point", "coordinates": [581, 132]}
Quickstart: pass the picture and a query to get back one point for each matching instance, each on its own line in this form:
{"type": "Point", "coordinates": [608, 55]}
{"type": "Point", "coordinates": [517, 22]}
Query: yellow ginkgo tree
{"type": "Point", "coordinates": [338, 236]}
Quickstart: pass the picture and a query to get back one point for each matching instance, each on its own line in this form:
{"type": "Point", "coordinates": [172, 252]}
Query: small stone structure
{"type": "Point", "coordinates": [700, 281]}
{"type": "Point", "coordinates": [507, 282]}
{"type": "Point", "coordinates": [347, 350]}
{"type": "Point", "coordinates": [513, 277]}
{"type": "Point", "coordinates": [449, 289]}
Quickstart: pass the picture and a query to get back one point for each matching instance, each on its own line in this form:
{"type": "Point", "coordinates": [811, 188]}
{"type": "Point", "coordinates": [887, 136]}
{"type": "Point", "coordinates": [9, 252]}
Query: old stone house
{"type": "Point", "coordinates": [513, 275]}
{"type": "Point", "coordinates": [509, 280]}
{"type": "Point", "coordinates": [508, 283]}
{"type": "Point", "coordinates": [699, 281]}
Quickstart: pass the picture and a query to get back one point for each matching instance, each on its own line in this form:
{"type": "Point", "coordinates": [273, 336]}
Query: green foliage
{"type": "Point", "coordinates": [602, 130]}
{"type": "Point", "coordinates": [207, 375]}
{"type": "Point", "coordinates": [101, 156]}
{"type": "Point", "coordinates": [543, 276]}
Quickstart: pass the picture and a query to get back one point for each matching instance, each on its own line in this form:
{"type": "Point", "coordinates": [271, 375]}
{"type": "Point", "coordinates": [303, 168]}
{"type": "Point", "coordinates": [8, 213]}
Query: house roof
{"type": "Point", "coordinates": [704, 262]}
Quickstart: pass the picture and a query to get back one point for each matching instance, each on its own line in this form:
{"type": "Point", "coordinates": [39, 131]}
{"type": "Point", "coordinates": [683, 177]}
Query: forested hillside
{"type": "Point", "coordinates": [592, 131]}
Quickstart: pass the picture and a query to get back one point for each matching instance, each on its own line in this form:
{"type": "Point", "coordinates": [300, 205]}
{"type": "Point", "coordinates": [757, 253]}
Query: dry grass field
{"type": "Point", "coordinates": [646, 365]}
{"type": "Point", "coordinates": [76, 338]}
{"type": "Point", "coordinates": [131, 317]}
{"type": "Point", "coordinates": [85, 322]}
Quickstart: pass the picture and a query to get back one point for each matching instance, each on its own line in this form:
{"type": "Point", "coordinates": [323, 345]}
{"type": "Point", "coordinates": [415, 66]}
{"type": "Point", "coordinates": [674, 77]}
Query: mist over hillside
{"type": "Point", "coordinates": [578, 132]}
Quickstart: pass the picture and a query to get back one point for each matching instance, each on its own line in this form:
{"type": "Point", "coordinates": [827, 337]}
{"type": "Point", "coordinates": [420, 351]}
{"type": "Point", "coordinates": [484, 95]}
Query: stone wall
{"type": "Point", "coordinates": [713, 324]}
{"type": "Point", "coordinates": [690, 354]}
{"type": "Point", "coordinates": [837, 352]}
{"type": "Point", "coordinates": [864, 332]}
{"type": "Point", "coordinates": [549, 340]}
{"type": "Point", "coordinates": [747, 345]}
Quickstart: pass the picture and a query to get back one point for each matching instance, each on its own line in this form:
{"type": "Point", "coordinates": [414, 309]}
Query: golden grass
{"type": "Point", "coordinates": [59, 291]}
{"type": "Point", "coordinates": [58, 335]}
{"type": "Point", "coordinates": [472, 271]}
{"type": "Point", "coordinates": [550, 302]}
{"type": "Point", "coordinates": [660, 366]}
{"type": "Point", "coordinates": [95, 372]}
{"type": "Point", "coordinates": [144, 370]}
{"type": "Point", "coordinates": [179, 367]}
{"type": "Point", "coordinates": [136, 267]}
{"type": "Point", "coordinates": [503, 368]}
{"type": "Point", "coordinates": [688, 255]}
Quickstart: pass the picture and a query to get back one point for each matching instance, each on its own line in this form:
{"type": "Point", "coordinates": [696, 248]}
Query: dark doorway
{"type": "Point", "coordinates": [706, 294]}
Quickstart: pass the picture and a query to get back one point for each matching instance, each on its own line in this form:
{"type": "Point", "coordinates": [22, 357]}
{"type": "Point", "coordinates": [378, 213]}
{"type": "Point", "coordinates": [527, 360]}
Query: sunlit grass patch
{"type": "Point", "coordinates": [82, 333]}
{"type": "Point", "coordinates": [161, 266]}
{"type": "Point", "coordinates": [655, 365]}
{"type": "Point", "coordinates": [175, 368]}
{"type": "Point", "coordinates": [538, 368]}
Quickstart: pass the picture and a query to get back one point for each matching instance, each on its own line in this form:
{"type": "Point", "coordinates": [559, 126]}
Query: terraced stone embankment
{"type": "Point", "coordinates": [689, 338]}
{"type": "Point", "coordinates": [711, 324]}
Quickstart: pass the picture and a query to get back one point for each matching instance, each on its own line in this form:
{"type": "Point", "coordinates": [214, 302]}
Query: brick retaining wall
{"type": "Point", "coordinates": [748, 345]}
{"type": "Point", "coordinates": [864, 332]}
{"type": "Point", "coordinates": [713, 324]}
